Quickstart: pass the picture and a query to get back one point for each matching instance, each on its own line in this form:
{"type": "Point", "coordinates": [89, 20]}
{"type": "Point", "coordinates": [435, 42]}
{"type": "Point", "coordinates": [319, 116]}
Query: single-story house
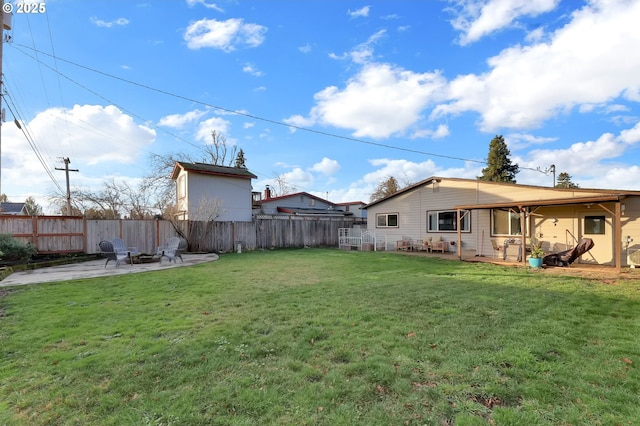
{"type": "Point", "coordinates": [211, 192]}
{"type": "Point", "coordinates": [16, 209]}
{"type": "Point", "coordinates": [469, 214]}
{"type": "Point", "coordinates": [300, 203]}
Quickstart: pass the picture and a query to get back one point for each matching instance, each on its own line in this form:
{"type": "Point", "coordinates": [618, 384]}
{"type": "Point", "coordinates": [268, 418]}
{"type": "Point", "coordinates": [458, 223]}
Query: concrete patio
{"type": "Point", "coordinates": [96, 268]}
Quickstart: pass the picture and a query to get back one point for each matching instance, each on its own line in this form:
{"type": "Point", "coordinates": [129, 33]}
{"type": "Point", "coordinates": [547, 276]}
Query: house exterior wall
{"type": "Point", "coordinates": [412, 207]}
{"type": "Point", "coordinates": [355, 208]}
{"type": "Point", "coordinates": [234, 195]}
{"type": "Point", "coordinates": [557, 227]}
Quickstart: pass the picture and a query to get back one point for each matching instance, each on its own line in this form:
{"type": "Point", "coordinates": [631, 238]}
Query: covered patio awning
{"type": "Point", "coordinates": [524, 208]}
{"type": "Point", "coordinates": [541, 203]}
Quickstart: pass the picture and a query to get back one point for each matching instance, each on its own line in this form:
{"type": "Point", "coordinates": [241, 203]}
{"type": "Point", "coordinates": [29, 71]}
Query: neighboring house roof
{"type": "Point", "coordinates": [282, 207]}
{"type": "Point", "coordinates": [324, 212]}
{"type": "Point", "coordinates": [352, 203]}
{"type": "Point", "coordinates": [12, 208]}
{"type": "Point", "coordinates": [573, 194]}
{"type": "Point", "coordinates": [297, 194]}
{"type": "Point", "coordinates": [211, 169]}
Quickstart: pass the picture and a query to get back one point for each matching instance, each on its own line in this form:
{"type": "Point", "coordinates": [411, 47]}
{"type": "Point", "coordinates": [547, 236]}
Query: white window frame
{"type": "Point", "coordinates": [438, 220]}
{"type": "Point", "coordinates": [386, 220]}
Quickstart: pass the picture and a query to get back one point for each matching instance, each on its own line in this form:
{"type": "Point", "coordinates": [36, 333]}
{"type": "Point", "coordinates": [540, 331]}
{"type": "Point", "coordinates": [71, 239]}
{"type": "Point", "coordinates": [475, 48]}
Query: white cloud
{"type": "Point", "coordinates": [220, 125]}
{"type": "Point", "coordinates": [92, 136]}
{"type": "Point", "coordinates": [108, 24]}
{"type": "Point", "coordinates": [297, 179]}
{"type": "Point", "coordinates": [305, 49]}
{"type": "Point", "coordinates": [327, 167]}
{"type": "Point", "coordinates": [592, 161]}
{"type": "Point", "coordinates": [360, 13]}
{"type": "Point", "coordinates": [178, 121]}
{"type": "Point", "coordinates": [530, 84]}
{"type": "Point", "coordinates": [478, 18]}
{"type": "Point", "coordinates": [440, 132]}
{"type": "Point", "coordinates": [224, 35]}
{"type": "Point", "coordinates": [250, 69]}
{"type": "Point", "coordinates": [406, 172]}
{"type": "Point", "coordinates": [517, 141]}
{"type": "Point", "coordinates": [363, 52]}
{"type": "Point", "coordinates": [381, 100]}
{"type": "Point", "coordinates": [213, 6]}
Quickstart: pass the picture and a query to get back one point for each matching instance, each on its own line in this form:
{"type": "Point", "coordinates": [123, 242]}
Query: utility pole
{"type": "Point", "coordinates": [67, 170]}
{"type": "Point", "coordinates": [5, 24]}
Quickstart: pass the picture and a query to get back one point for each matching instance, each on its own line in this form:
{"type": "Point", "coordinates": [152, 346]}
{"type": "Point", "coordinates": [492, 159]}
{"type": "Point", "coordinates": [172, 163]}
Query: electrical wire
{"type": "Point", "coordinates": [27, 134]}
{"type": "Point", "coordinates": [267, 120]}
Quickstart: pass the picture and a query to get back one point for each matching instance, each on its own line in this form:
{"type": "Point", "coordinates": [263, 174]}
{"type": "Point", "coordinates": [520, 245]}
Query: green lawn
{"type": "Point", "coordinates": [321, 336]}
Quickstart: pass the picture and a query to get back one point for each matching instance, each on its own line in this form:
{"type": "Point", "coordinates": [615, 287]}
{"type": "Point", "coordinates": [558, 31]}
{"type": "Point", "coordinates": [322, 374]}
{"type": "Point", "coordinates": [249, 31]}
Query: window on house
{"type": "Point", "coordinates": [312, 202]}
{"type": "Point", "coordinates": [447, 220]}
{"type": "Point", "coordinates": [594, 225]}
{"type": "Point", "coordinates": [387, 220]}
{"type": "Point", "coordinates": [505, 222]}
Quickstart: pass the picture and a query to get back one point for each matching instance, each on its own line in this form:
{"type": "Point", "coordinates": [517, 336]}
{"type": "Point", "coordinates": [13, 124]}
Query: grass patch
{"type": "Point", "coordinates": [321, 336]}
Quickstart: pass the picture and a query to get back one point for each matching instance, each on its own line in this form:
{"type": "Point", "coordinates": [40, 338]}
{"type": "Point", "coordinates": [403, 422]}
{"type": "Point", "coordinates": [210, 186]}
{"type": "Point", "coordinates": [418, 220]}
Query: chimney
{"type": "Point", "coordinates": [267, 193]}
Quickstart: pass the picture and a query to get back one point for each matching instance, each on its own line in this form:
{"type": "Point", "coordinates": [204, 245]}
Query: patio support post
{"type": "Point", "coordinates": [523, 234]}
{"type": "Point", "coordinates": [617, 236]}
{"type": "Point", "coordinates": [617, 232]}
{"type": "Point", "coordinates": [459, 235]}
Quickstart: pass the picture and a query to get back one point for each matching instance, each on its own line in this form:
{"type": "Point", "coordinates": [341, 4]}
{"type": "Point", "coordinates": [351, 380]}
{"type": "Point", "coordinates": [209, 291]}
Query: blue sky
{"type": "Point", "coordinates": [332, 96]}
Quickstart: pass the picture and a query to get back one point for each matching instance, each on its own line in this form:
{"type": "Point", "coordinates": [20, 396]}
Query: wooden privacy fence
{"type": "Point", "coordinates": [68, 234]}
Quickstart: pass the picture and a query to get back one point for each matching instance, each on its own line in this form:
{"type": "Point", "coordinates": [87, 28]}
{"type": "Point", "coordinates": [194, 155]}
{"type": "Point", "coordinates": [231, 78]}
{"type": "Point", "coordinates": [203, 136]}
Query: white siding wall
{"type": "Point", "coordinates": [412, 210]}
{"type": "Point", "coordinates": [235, 194]}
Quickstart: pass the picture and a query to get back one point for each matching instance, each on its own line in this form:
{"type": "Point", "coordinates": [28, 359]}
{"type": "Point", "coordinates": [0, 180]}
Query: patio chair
{"type": "Point", "coordinates": [107, 249]}
{"type": "Point", "coordinates": [120, 246]}
{"type": "Point", "coordinates": [497, 248]}
{"type": "Point", "coordinates": [174, 249]}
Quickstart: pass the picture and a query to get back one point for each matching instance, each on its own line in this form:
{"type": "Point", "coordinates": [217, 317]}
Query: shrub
{"type": "Point", "coordinates": [12, 249]}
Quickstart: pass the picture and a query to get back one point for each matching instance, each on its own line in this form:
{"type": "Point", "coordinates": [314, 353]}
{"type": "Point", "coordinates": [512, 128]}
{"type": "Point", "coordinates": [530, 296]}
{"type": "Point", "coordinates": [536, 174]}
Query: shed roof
{"type": "Point", "coordinates": [211, 169]}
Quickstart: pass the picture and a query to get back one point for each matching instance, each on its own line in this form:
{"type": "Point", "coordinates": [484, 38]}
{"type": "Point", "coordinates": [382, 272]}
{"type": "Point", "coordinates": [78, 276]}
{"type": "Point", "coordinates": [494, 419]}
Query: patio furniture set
{"type": "Point", "coordinates": [119, 252]}
{"type": "Point", "coordinates": [428, 244]}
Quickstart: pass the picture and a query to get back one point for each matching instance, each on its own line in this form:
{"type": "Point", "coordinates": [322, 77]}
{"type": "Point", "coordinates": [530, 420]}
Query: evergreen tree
{"type": "Point", "coordinates": [564, 181]}
{"type": "Point", "coordinates": [240, 160]}
{"type": "Point", "coordinates": [499, 167]}
{"type": "Point", "coordinates": [385, 188]}
{"type": "Point", "coordinates": [32, 208]}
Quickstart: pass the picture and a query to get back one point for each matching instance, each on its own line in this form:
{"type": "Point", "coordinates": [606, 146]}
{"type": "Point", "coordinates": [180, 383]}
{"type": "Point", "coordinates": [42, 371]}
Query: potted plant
{"type": "Point", "coordinates": [537, 254]}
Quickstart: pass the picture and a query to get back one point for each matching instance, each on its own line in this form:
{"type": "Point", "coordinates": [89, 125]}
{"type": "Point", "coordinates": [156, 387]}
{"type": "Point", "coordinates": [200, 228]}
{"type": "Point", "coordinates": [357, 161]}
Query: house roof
{"type": "Point", "coordinates": [573, 194]}
{"type": "Point", "coordinates": [297, 194]}
{"type": "Point", "coordinates": [211, 169]}
{"type": "Point", "coordinates": [352, 203]}
{"type": "Point", "coordinates": [11, 208]}
{"type": "Point", "coordinates": [310, 211]}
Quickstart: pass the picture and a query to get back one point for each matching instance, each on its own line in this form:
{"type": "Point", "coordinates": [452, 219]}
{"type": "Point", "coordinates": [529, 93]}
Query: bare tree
{"type": "Point", "coordinates": [281, 186]}
{"type": "Point", "coordinates": [218, 150]}
{"type": "Point", "coordinates": [200, 225]}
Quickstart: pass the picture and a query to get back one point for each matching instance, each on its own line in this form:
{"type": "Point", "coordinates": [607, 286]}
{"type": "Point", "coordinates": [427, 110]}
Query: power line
{"type": "Point", "coordinates": [267, 120]}
{"type": "Point", "coordinates": [30, 140]}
